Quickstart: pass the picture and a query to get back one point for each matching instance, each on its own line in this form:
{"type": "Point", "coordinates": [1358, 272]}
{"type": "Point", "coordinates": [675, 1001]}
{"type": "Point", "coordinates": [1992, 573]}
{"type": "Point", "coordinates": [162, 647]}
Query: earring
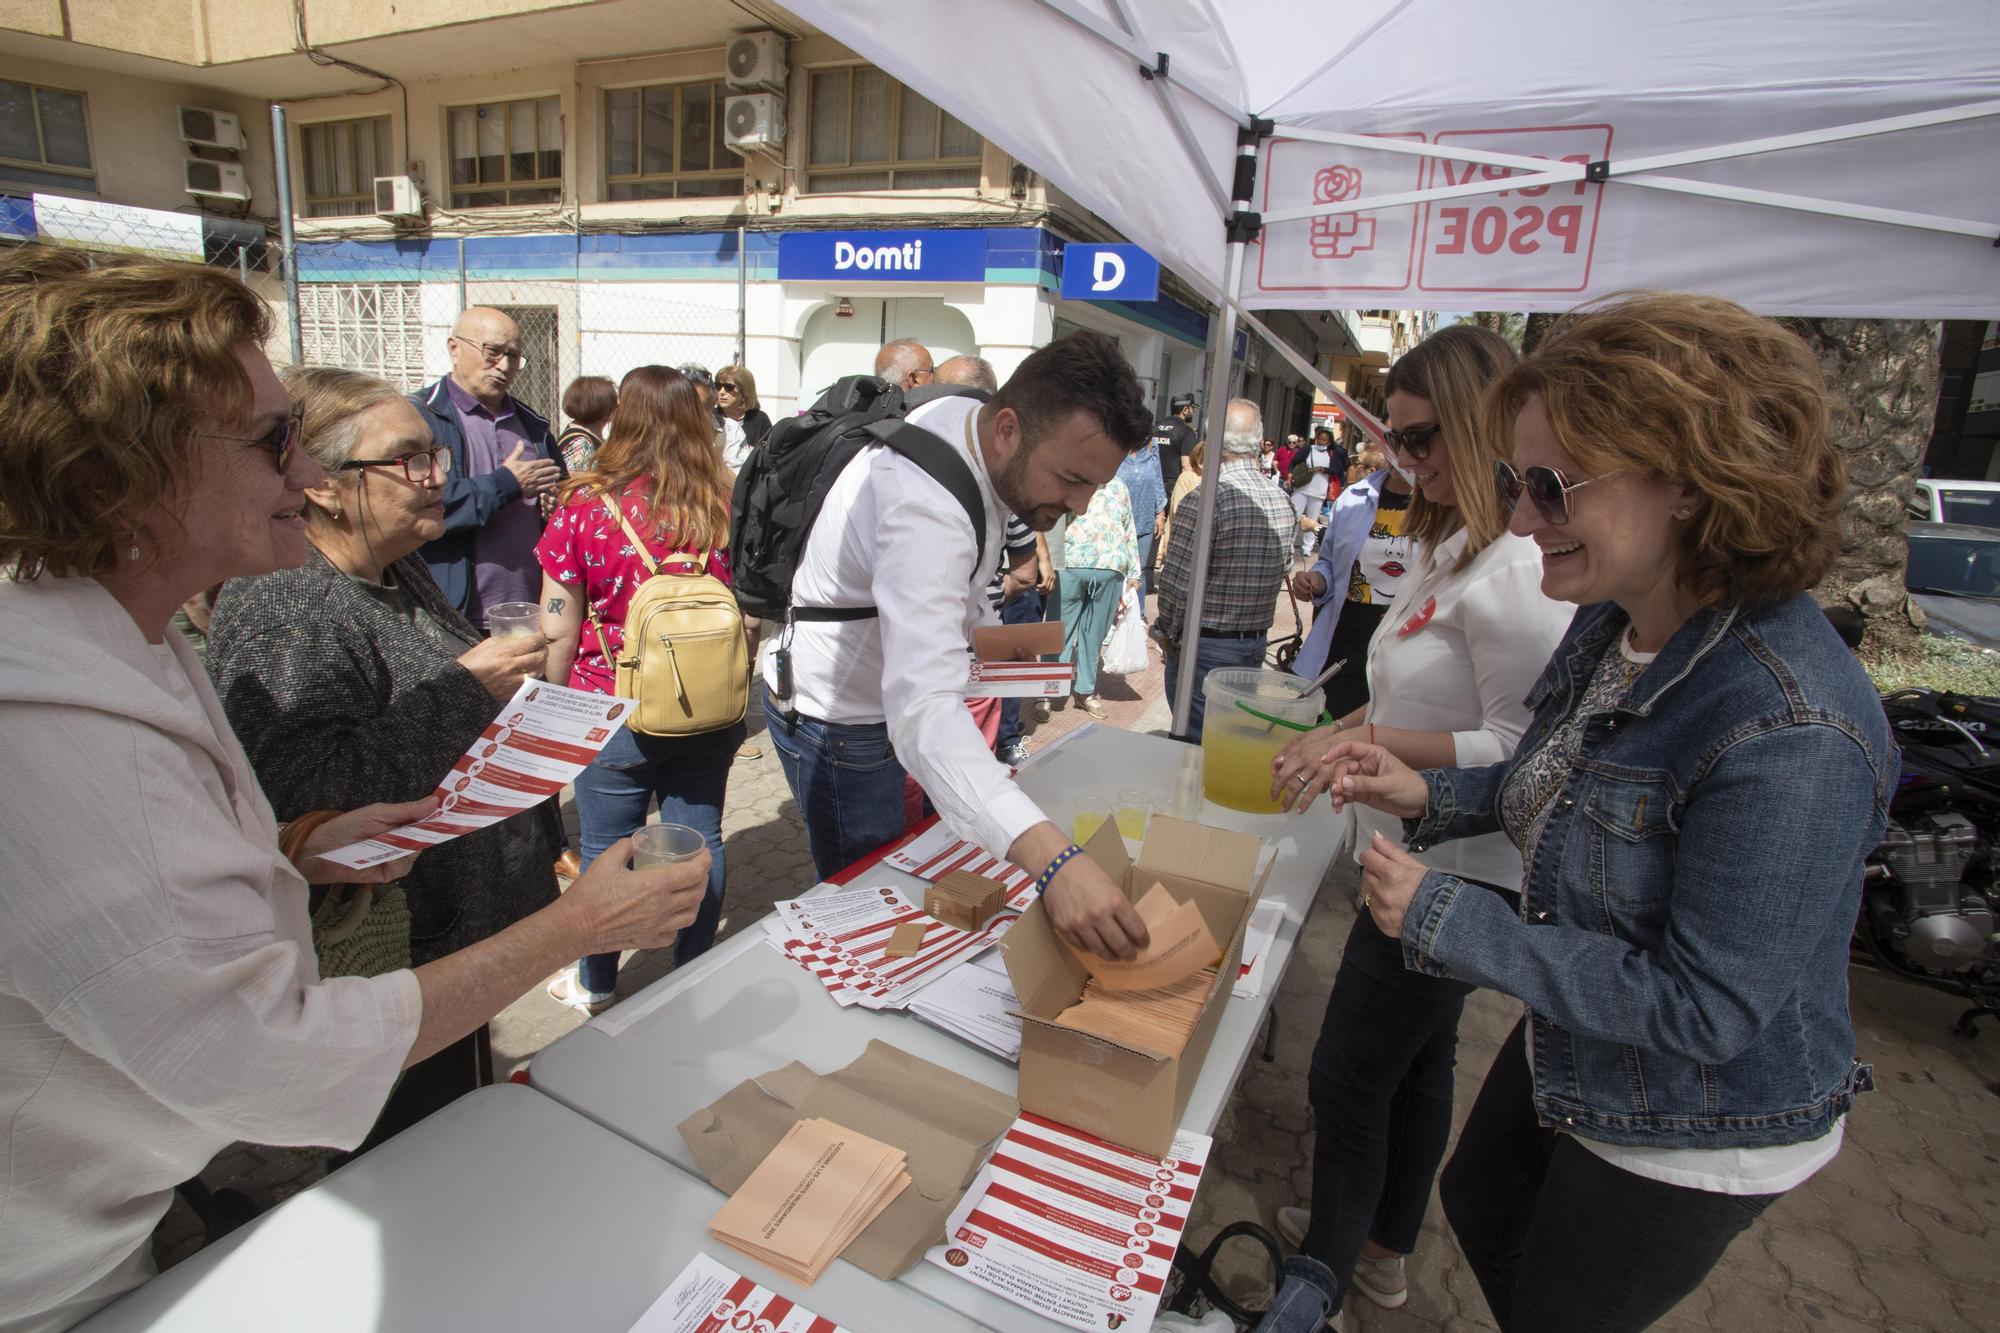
{"type": "Point", "coordinates": [334, 512]}
{"type": "Point", "coordinates": [132, 554]}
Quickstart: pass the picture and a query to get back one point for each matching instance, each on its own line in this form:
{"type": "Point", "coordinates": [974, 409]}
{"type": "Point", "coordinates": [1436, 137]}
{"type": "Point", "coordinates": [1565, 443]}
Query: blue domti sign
{"type": "Point", "coordinates": [883, 256]}
{"type": "Point", "coordinates": [1109, 273]}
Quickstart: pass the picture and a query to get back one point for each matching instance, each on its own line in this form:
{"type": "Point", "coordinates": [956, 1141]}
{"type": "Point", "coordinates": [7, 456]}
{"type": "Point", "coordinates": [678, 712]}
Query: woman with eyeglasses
{"type": "Point", "coordinates": [1707, 768]}
{"type": "Point", "coordinates": [159, 994]}
{"type": "Point", "coordinates": [1447, 669]}
{"type": "Point", "coordinates": [744, 423]}
{"type": "Point", "coordinates": [350, 676]}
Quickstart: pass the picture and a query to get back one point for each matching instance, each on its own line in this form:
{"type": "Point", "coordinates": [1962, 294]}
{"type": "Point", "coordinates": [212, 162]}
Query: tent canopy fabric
{"type": "Point", "coordinates": [1057, 84]}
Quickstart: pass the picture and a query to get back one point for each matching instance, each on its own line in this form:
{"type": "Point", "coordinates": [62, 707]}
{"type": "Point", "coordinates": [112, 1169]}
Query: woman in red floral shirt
{"type": "Point", "coordinates": [661, 467]}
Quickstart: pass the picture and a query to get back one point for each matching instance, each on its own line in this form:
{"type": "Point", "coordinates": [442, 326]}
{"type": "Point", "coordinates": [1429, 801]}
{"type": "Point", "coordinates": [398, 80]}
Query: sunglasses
{"type": "Point", "coordinates": [722, 386]}
{"type": "Point", "coordinates": [282, 440]}
{"type": "Point", "coordinates": [416, 467]}
{"type": "Point", "coordinates": [1548, 488]}
{"type": "Point", "coordinates": [1416, 441]}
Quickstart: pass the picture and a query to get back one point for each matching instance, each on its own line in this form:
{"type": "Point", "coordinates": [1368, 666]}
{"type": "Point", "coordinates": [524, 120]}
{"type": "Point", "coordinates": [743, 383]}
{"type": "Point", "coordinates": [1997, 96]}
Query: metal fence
{"type": "Point", "coordinates": [386, 305]}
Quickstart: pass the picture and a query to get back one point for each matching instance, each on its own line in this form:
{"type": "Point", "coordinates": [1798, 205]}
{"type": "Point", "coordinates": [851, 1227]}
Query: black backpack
{"type": "Point", "coordinates": [783, 485]}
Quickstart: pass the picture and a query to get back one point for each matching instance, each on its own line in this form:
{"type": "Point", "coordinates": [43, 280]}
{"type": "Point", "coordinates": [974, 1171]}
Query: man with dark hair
{"type": "Point", "coordinates": [1175, 438]}
{"type": "Point", "coordinates": [859, 697]}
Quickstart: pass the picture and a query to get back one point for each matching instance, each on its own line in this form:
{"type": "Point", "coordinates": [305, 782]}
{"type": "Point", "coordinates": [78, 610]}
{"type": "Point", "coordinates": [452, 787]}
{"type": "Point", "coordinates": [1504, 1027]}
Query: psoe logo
{"type": "Point", "coordinates": [905, 258]}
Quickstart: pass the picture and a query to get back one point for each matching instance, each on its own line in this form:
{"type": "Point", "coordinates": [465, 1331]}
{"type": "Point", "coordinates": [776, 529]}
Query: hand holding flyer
{"type": "Point", "coordinates": [544, 736]}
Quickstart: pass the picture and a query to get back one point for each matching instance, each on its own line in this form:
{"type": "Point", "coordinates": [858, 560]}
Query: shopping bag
{"type": "Point", "coordinates": [1125, 646]}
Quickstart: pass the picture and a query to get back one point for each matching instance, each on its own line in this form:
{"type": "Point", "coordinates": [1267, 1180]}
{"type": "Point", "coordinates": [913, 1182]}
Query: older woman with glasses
{"type": "Point", "coordinates": [159, 994]}
{"type": "Point", "coordinates": [744, 423]}
{"type": "Point", "coordinates": [1707, 769]}
{"type": "Point", "coordinates": [350, 675]}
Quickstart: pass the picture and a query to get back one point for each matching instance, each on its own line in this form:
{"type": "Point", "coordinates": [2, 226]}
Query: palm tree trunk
{"type": "Point", "coordinates": [1883, 378]}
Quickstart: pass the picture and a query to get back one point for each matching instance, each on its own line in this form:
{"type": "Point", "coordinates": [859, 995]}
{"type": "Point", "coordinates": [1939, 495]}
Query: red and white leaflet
{"type": "Point", "coordinates": [937, 851]}
{"type": "Point", "coordinates": [709, 1298]}
{"type": "Point", "coordinates": [842, 938]}
{"type": "Point", "coordinates": [542, 738]}
{"type": "Point", "coordinates": [1073, 1228]}
{"type": "Point", "coordinates": [1020, 680]}
{"type": "Point", "coordinates": [1257, 942]}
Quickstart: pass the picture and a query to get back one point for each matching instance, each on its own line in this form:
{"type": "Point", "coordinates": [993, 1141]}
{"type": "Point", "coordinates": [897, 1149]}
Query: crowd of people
{"type": "Point", "coordinates": [1582, 658]}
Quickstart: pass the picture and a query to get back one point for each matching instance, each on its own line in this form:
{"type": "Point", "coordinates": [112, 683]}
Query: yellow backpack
{"type": "Point", "coordinates": [686, 663]}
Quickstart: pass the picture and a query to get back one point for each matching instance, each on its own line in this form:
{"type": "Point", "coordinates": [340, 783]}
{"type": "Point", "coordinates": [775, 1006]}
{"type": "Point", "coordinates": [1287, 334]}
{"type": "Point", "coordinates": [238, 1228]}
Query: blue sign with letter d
{"type": "Point", "coordinates": [1109, 273]}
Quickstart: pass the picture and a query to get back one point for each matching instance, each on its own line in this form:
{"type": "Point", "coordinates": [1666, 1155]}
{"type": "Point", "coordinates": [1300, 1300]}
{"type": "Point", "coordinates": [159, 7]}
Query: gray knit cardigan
{"type": "Point", "coordinates": [340, 699]}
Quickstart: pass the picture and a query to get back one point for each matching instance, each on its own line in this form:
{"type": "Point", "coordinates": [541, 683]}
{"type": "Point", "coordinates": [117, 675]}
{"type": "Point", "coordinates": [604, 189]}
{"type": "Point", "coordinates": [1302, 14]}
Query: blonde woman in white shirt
{"type": "Point", "coordinates": [159, 995]}
{"type": "Point", "coordinates": [1448, 676]}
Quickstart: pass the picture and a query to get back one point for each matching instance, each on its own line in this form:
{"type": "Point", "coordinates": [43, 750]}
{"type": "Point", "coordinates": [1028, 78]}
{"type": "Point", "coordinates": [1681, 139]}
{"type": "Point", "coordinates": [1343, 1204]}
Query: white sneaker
{"type": "Point", "coordinates": [1382, 1280]}
{"type": "Point", "coordinates": [1293, 1223]}
{"type": "Point", "coordinates": [566, 990]}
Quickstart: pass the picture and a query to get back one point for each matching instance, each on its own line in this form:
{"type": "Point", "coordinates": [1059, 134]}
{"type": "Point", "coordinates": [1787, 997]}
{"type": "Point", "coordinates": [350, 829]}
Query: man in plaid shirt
{"type": "Point", "coordinates": [1247, 563]}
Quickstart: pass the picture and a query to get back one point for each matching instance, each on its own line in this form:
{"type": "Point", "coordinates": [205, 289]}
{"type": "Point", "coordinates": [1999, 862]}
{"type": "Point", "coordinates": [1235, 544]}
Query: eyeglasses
{"type": "Point", "coordinates": [724, 386]}
{"type": "Point", "coordinates": [416, 467]}
{"type": "Point", "coordinates": [282, 440]}
{"type": "Point", "coordinates": [1547, 487]}
{"type": "Point", "coordinates": [1416, 441]}
{"type": "Point", "coordinates": [493, 354]}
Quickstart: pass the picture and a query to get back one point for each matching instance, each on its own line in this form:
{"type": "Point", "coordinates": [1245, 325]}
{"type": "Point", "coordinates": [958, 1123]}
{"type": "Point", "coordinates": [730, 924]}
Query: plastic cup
{"type": "Point", "coordinates": [505, 618]}
{"type": "Point", "coordinates": [1134, 809]}
{"type": "Point", "coordinates": [665, 845]}
{"type": "Point", "coordinates": [1090, 814]}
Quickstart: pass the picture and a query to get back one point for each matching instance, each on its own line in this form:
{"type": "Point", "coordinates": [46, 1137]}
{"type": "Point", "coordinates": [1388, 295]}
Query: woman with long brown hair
{"type": "Point", "coordinates": [662, 473]}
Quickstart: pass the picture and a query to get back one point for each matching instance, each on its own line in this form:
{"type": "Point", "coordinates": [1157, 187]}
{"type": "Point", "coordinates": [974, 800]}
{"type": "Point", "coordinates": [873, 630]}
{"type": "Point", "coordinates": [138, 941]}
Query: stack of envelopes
{"type": "Point", "coordinates": [1158, 1020]}
{"type": "Point", "coordinates": [815, 1192]}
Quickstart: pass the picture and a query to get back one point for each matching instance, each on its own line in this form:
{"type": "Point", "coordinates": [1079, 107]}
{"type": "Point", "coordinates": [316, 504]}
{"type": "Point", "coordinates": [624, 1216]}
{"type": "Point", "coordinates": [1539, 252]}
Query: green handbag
{"type": "Point", "coordinates": [362, 930]}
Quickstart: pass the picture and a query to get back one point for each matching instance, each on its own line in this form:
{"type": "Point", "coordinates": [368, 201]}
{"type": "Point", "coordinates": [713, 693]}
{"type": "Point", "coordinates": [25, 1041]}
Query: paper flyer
{"type": "Point", "coordinates": [936, 852]}
{"type": "Point", "coordinates": [1257, 941]}
{"type": "Point", "coordinates": [709, 1298]}
{"type": "Point", "coordinates": [977, 1003]}
{"type": "Point", "coordinates": [1077, 1230]}
{"type": "Point", "coordinates": [542, 738]}
{"type": "Point", "coordinates": [842, 938]}
{"type": "Point", "coordinates": [1023, 680]}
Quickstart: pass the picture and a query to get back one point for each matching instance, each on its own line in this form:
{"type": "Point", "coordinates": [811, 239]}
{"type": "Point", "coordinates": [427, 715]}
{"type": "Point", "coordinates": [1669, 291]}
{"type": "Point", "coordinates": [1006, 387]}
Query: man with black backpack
{"type": "Point", "coordinates": [866, 538]}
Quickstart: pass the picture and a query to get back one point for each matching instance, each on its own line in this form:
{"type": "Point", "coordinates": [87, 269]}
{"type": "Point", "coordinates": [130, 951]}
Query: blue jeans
{"type": "Point", "coordinates": [1208, 655]}
{"type": "Point", "coordinates": [1025, 609]}
{"type": "Point", "coordinates": [1089, 603]}
{"type": "Point", "coordinates": [689, 776]}
{"type": "Point", "coordinates": [845, 780]}
{"type": "Point", "coordinates": [1146, 540]}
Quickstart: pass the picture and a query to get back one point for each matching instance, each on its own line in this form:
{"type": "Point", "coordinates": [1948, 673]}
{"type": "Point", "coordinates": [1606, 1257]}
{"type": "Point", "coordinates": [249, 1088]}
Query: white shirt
{"type": "Point", "coordinates": [892, 537]}
{"type": "Point", "coordinates": [1458, 652]}
{"type": "Point", "coordinates": [736, 449]}
{"type": "Point", "coordinates": [159, 999]}
{"type": "Point", "coordinates": [1317, 484]}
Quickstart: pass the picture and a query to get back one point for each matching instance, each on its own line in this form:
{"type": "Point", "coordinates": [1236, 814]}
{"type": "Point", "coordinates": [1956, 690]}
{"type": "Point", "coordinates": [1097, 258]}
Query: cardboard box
{"type": "Point", "coordinates": [1131, 1097]}
{"type": "Point", "coordinates": [1007, 662]}
{"type": "Point", "coordinates": [964, 900]}
{"type": "Point", "coordinates": [942, 1121]}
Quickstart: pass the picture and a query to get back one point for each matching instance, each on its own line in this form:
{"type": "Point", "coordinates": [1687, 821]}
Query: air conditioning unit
{"type": "Point", "coordinates": [754, 123]}
{"type": "Point", "coordinates": [202, 127]}
{"type": "Point", "coordinates": [397, 197]}
{"type": "Point", "coordinates": [215, 180]}
{"type": "Point", "coordinates": [756, 60]}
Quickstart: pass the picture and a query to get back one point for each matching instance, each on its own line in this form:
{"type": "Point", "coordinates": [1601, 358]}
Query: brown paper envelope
{"type": "Point", "coordinates": [1180, 947]}
{"type": "Point", "coordinates": [1017, 643]}
{"type": "Point", "coordinates": [905, 940]}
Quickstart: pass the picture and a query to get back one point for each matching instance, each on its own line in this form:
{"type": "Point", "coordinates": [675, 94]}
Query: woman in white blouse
{"type": "Point", "coordinates": [1448, 674]}
{"type": "Point", "coordinates": [159, 997]}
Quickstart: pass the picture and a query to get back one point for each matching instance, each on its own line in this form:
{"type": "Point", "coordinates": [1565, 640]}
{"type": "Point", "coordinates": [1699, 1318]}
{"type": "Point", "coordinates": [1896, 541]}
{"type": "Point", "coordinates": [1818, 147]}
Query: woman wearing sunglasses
{"type": "Point", "coordinates": [1707, 767]}
{"type": "Point", "coordinates": [159, 995]}
{"type": "Point", "coordinates": [744, 423]}
{"type": "Point", "coordinates": [351, 676]}
{"type": "Point", "coordinates": [1447, 669]}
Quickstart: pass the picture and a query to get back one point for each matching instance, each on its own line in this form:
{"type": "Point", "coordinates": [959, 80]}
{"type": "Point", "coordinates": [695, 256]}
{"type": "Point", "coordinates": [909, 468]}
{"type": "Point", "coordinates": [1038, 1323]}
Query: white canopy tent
{"type": "Point", "coordinates": [1814, 157]}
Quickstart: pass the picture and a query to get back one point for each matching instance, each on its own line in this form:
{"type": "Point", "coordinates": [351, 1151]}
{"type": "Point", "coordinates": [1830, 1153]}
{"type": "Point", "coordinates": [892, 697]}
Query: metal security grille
{"type": "Point", "coordinates": [539, 383]}
{"type": "Point", "coordinates": [376, 327]}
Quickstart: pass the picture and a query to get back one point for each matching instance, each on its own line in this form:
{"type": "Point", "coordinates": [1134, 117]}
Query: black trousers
{"type": "Point", "coordinates": [1560, 1239]}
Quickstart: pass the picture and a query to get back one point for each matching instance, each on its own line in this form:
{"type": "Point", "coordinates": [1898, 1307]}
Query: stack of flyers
{"type": "Point", "coordinates": [708, 1298]}
{"type": "Point", "coordinates": [1073, 1228]}
{"type": "Point", "coordinates": [842, 938]}
{"type": "Point", "coordinates": [976, 1003]}
{"type": "Point", "coordinates": [937, 852]}
{"type": "Point", "coordinates": [1257, 942]}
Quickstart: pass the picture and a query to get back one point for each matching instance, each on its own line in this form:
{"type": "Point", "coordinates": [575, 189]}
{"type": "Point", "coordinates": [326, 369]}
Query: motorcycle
{"type": "Point", "coordinates": [1930, 903]}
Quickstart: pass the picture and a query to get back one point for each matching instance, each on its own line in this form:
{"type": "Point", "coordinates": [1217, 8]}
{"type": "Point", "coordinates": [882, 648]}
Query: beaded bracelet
{"type": "Point", "coordinates": [1062, 859]}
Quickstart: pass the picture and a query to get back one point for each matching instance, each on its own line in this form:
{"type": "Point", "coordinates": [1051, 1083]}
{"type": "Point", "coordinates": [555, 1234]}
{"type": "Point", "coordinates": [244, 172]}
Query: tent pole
{"type": "Point", "coordinates": [1222, 349]}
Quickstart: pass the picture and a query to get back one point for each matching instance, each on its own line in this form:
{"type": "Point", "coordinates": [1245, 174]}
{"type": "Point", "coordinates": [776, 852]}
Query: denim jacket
{"type": "Point", "coordinates": [1682, 939]}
